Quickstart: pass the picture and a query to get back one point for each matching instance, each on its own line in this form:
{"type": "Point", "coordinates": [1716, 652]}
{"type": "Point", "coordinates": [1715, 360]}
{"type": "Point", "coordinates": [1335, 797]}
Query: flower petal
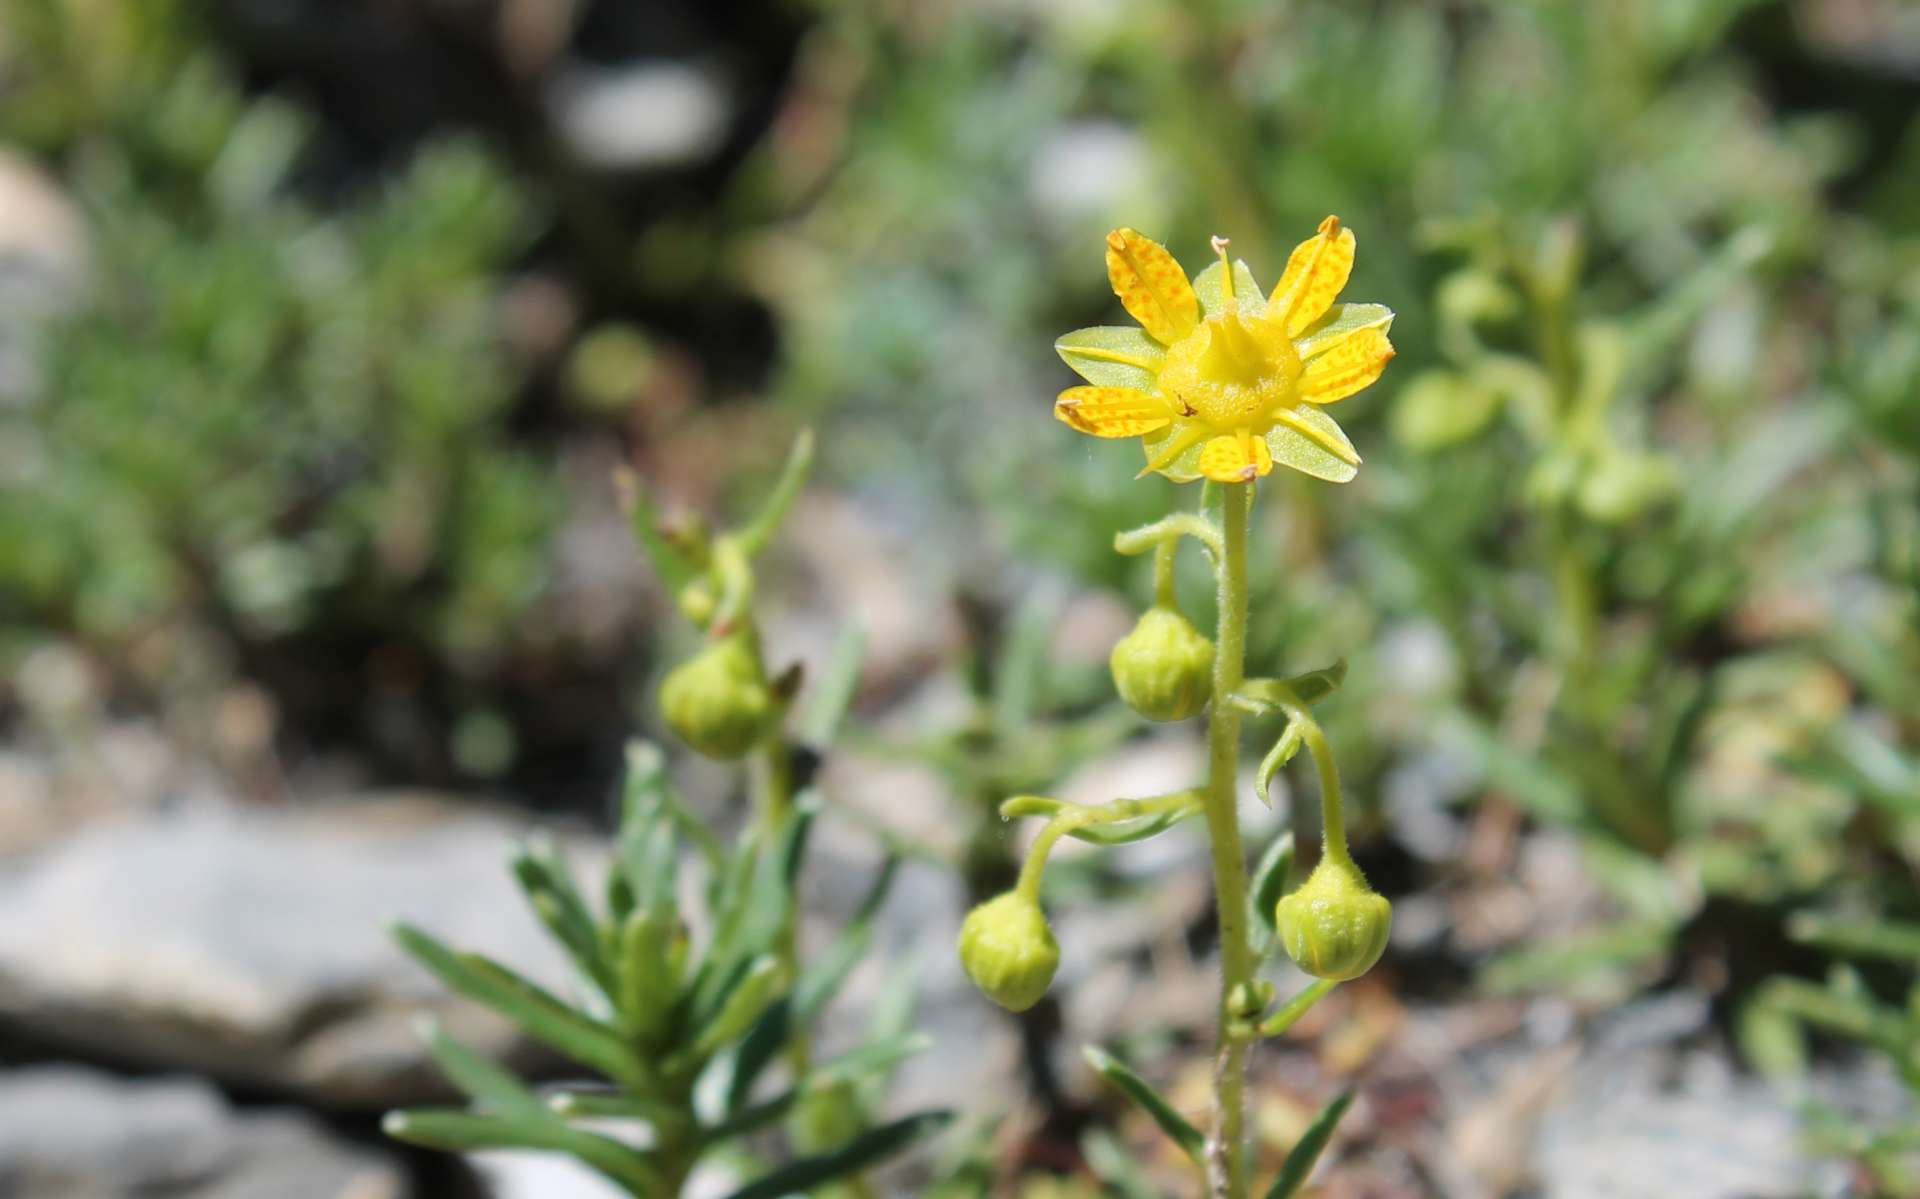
{"type": "Point", "coordinates": [1112, 411]}
{"type": "Point", "coordinates": [1235, 458]}
{"type": "Point", "coordinates": [1151, 285]}
{"type": "Point", "coordinates": [1113, 356]}
{"type": "Point", "coordinates": [1341, 319]}
{"type": "Point", "coordinates": [1348, 365]}
{"type": "Point", "coordinates": [1316, 271]}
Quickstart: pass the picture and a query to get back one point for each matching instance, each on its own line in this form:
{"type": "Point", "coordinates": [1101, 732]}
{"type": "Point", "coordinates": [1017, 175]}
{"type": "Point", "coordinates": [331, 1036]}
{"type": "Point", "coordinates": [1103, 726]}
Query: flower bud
{"type": "Point", "coordinates": [697, 602]}
{"type": "Point", "coordinates": [1164, 667]}
{"type": "Point", "coordinates": [717, 700]}
{"type": "Point", "coordinates": [1335, 925]}
{"type": "Point", "coordinates": [1008, 950]}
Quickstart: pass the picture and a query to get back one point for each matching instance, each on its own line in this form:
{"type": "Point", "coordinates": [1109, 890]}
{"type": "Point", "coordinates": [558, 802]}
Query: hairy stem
{"type": "Point", "coordinates": [1226, 1148]}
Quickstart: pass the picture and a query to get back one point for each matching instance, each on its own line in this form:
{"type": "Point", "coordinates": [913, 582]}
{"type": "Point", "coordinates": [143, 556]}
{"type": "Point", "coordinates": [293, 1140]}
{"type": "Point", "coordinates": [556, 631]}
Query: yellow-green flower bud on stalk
{"type": "Point", "coordinates": [698, 602]}
{"type": "Point", "coordinates": [718, 701]}
{"type": "Point", "coordinates": [1334, 926]}
{"type": "Point", "coordinates": [1164, 667]}
{"type": "Point", "coordinates": [1008, 950]}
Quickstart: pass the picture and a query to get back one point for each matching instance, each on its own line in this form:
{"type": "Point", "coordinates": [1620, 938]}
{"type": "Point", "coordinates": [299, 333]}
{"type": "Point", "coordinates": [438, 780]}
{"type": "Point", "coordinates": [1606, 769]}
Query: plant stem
{"type": "Point", "coordinates": [775, 804]}
{"type": "Point", "coordinates": [1226, 1148]}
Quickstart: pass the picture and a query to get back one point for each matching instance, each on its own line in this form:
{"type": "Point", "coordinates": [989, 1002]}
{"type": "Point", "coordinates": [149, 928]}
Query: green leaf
{"type": "Point", "coordinates": [1021, 668]}
{"type": "Point", "coordinates": [462, 1131]}
{"type": "Point", "coordinates": [758, 986]}
{"type": "Point", "coordinates": [1113, 1165]}
{"type": "Point", "coordinates": [1141, 1092]}
{"type": "Point", "coordinates": [756, 533]}
{"type": "Point", "coordinates": [611, 1104]}
{"type": "Point", "coordinates": [485, 1082]}
{"type": "Point", "coordinates": [1113, 356]}
{"type": "Point", "coordinates": [1888, 939]}
{"type": "Point", "coordinates": [675, 569]}
{"type": "Point", "coordinates": [852, 1066]}
{"type": "Point", "coordinates": [1342, 319]}
{"type": "Point", "coordinates": [1270, 880]}
{"type": "Point", "coordinates": [834, 691]}
{"type": "Point", "coordinates": [542, 1016]}
{"type": "Point", "coordinates": [1252, 301]}
{"type": "Point", "coordinates": [817, 985]}
{"type": "Point", "coordinates": [862, 1151]}
{"type": "Point", "coordinates": [555, 898]}
{"type": "Point", "coordinates": [1299, 1163]}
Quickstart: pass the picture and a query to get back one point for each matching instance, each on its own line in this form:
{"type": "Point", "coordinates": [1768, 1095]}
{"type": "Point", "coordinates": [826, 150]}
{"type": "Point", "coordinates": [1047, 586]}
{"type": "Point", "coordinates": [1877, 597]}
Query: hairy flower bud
{"type": "Point", "coordinates": [1335, 925]}
{"type": "Point", "coordinates": [717, 700]}
{"type": "Point", "coordinates": [1008, 950]}
{"type": "Point", "coordinates": [1164, 667]}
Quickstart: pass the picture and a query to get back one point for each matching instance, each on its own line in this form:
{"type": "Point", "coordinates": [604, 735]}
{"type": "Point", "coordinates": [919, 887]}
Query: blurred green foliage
{"type": "Point", "coordinates": [267, 417]}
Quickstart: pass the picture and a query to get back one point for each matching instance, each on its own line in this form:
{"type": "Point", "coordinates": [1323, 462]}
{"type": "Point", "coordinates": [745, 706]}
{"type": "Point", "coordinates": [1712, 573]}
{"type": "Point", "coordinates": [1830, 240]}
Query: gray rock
{"type": "Point", "coordinates": [68, 1133]}
{"type": "Point", "coordinates": [252, 946]}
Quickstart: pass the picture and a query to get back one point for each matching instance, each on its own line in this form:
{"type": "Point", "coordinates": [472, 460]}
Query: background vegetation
{"type": "Point", "coordinates": [318, 400]}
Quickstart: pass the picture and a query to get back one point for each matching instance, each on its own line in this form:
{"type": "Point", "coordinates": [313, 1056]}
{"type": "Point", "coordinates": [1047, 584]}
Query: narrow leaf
{"type": "Point", "coordinates": [862, 1151]}
{"type": "Point", "coordinates": [446, 1128]}
{"type": "Point", "coordinates": [485, 1082]}
{"type": "Point", "coordinates": [833, 693]}
{"type": "Point", "coordinates": [1300, 1160]}
{"type": "Point", "coordinates": [673, 567]}
{"type": "Point", "coordinates": [533, 1009]}
{"type": "Point", "coordinates": [757, 532]}
{"type": "Point", "coordinates": [1141, 1092]}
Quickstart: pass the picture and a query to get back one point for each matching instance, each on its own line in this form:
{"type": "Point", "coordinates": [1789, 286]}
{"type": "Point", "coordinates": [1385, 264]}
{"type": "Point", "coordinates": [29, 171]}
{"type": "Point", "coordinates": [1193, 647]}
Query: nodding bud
{"type": "Point", "coordinates": [1008, 950]}
{"type": "Point", "coordinates": [717, 701]}
{"type": "Point", "coordinates": [1164, 667]}
{"type": "Point", "coordinates": [1334, 926]}
{"type": "Point", "coordinates": [697, 602]}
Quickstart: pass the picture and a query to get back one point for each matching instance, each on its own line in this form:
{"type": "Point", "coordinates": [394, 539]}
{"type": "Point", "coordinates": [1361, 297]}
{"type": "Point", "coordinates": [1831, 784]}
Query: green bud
{"type": "Point", "coordinates": [1164, 667]}
{"type": "Point", "coordinates": [717, 700]}
{"type": "Point", "coordinates": [1008, 950]}
{"type": "Point", "coordinates": [1334, 925]}
{"type": "Point", "coordinates": [697, 602]}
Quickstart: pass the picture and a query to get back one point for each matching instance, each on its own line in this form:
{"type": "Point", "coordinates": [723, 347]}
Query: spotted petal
{"type": "Point", "coordinates": [1151, 286]}
{"type": "Point", "coordinates": [1112, 411]}
{"type": "Point", "coordinates": [1316, 272]}
{"type": "Point", "coordinates": [1347, 366]}
{"type": "Point", "coordinates": [1235, 458]}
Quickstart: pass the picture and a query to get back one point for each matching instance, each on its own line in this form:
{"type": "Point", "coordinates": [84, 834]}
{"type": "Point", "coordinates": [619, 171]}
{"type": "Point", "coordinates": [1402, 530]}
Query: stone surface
{"type": "Point", "coordinates": [252, 946]}
{"type": "Point", "coordinates": [640, 116]}
{"type": "Point", "coordinates": [68, 1133]}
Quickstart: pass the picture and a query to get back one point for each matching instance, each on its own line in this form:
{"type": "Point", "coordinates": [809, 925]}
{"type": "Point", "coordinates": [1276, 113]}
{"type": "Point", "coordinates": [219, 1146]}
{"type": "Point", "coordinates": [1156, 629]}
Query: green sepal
{"type": "Point", "coordinates": [871, 1146]}
{"type": "Point", "coordinates": [1307, 1150]}
{"type": "Point", "coordinates": [1341, 320]}
{"type": "Point", "coordinates": [1247, 294]}
{"type": "Point", "coordinates": [1136, 1088]}
{"type": "Point", "coordinates": [1090, 352]}
{"type": "Point", "coordinates": [1270, 879]}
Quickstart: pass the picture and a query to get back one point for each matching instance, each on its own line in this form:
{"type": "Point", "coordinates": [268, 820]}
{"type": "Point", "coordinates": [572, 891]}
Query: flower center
{"type": "Point", "coordinates": [1232, 372]}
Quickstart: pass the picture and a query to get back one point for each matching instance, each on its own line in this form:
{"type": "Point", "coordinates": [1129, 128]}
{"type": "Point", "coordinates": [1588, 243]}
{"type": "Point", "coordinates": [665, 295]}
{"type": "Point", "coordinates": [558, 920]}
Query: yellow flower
{"type": "Point", "coordinates": [1219, 381]}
